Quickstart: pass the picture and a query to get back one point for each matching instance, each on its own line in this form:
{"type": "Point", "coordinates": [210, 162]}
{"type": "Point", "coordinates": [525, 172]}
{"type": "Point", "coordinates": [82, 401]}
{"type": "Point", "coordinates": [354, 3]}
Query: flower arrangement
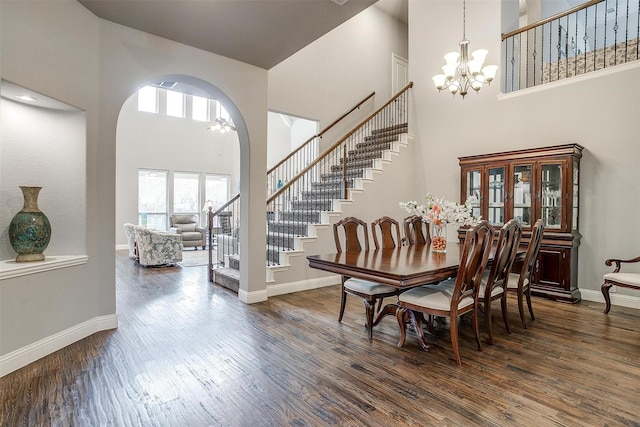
{"type": "Point", "coordinates": [439, 213]}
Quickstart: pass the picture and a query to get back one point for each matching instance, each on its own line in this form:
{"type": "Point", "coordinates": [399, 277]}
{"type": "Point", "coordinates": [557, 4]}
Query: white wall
{"type": "Point", "coordinates": [599, 112]}
{"type": "Point", "coordinates": [65, 52]}
{"type": "Point", "coordinates": [155, 141]}
{"type": "Point", "coordinates": [332, 74]}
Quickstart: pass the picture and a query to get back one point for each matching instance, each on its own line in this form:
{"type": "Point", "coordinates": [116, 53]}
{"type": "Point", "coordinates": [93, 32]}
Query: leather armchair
{"type": "Point", "coordinates": [187, 225]}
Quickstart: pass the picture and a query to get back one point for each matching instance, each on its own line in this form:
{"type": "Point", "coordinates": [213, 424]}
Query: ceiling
{"type": "Point", "coordinates": [258, 32]}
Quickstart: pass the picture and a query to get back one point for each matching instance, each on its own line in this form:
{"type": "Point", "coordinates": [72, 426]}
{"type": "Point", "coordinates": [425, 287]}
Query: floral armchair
{"type": "Point", "coordinates": [157, 248]}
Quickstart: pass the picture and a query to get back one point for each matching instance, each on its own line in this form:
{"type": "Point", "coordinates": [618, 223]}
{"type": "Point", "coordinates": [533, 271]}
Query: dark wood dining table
{"type": "Point", "coordinates": [403, 267]}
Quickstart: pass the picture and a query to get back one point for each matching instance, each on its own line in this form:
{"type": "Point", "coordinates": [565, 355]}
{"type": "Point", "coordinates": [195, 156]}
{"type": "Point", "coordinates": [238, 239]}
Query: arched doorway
{"type": "Point", "coordinates": [163, 139]}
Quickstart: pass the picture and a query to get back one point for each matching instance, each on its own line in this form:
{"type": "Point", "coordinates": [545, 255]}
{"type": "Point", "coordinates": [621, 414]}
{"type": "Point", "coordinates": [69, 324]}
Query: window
{"type": "Point", "coordinates": [199, 108]}
{"type": "Point", "coordinates": [185, 192]}
{"type": "Point", "coordinates": [217, 193]}
{"type": "Point", "coordinates": [217, 190]}
{"type": "Point", "coordinates": [175, 104]}
{"type": "Point", "coordinates": [152, 199]}
{"type": "Point", "coordinates": [148, 99]}
{"type": "Point", "coordinates": [221, 112]}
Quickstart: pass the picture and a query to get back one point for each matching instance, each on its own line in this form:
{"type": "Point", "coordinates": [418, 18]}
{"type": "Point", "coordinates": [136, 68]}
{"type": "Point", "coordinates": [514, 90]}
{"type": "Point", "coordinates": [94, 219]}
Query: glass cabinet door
{"type": "Point", "coordinates": [473, 188]}
{"type": "Point", "coordinates": [495, 211]}
{"type": "Point", "coordinates": [522, 194]}
{"type": "Point", "coordinates": [551, 196]}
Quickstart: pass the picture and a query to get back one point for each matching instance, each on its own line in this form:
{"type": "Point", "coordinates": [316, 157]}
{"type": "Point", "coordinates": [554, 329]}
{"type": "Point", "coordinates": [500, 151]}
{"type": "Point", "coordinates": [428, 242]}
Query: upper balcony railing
{"type": "Point", "coordinates": [590, 37]}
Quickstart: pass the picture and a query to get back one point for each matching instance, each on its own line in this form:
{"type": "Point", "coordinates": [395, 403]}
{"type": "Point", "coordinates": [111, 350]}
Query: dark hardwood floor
{"type": "Point", "coordinates": [188, 353]}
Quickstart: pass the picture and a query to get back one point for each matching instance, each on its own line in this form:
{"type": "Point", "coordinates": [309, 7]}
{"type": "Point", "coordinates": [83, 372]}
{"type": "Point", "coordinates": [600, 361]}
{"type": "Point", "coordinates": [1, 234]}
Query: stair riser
{"type": "Point", "coordinates": [363, 157]}
{"type": "Point", "coordinates": [309, 217]}
{"type": "Point", "coordinates": [391, 130]}
{"type": "Point", "coordinates": [291, 228]}
{"type": "Point", "coordinates": [311, 205]}
{"type": "Point", "coordinates": [351, 173]}
{"type": "Point", "coordinates": [323, 195]}
{"type": "Point", "coordinates": [374, 145]}
{"type": "Point", "coordinates": [281, 240]}
{"type": "Point", "coordinates": [227, 279]}
{"type": "Point", "coordinates": [331, 185]}
{"type": "Point", "coordinates": [355, 165]}
{"type": "Point", "coordinates": [358, 155]}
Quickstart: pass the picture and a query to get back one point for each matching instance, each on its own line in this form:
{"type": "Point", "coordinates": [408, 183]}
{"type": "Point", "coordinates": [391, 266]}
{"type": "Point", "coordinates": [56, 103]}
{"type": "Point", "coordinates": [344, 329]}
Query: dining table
{"type": "Point", "coordinates": [402, 267]}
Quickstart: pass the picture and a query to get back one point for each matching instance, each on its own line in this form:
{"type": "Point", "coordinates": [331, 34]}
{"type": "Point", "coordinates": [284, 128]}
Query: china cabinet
{"type": "Point", "coordinates": [528, 185]}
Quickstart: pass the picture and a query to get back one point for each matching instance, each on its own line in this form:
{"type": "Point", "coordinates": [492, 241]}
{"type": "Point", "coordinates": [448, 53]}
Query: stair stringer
{"type": "Point", "coordinates": [294, 275]}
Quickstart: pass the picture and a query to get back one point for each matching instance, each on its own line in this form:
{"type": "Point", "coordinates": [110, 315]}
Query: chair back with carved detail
{"type": "Point", "coordinates": [389, 232]}
{"type": "Point", "coordinates": [532, 252]}
{"type": "Point", "coordinates": [416, 231]}
{"type": "Point", "coordinates": [520, 282]}
{"type": "Point", "coordinates": [474, 259]}
{"type": "Point", "coordinates": [494, 283]}
{"type": "Point", "coordinates": [505, 255]}
{"type": "Point", "coordinates": [352, 228]}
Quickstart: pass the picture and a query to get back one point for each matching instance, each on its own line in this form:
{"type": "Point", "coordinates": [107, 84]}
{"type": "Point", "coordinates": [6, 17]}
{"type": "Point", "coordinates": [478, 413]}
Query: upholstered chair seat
{"type": "Point", "coordinates": [632, 279]}
{"type": "Point", "coordinates": [513, 281]}
{"type": "Point", "coordinates": [435, 297]}
{"type": "Point", "coordinates": [367, 287]}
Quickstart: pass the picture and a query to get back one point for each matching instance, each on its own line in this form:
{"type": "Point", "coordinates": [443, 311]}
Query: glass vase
{"type": "Point", "coordinates": [438, 238]}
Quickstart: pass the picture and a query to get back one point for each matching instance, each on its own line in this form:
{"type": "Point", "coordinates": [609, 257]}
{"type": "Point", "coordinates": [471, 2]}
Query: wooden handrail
{"type": "Point", "coordinates": [551, 18]}
{"type": "Point", "coordinates": [326, 152]}
{"type": "Point", "coordinates": [322, 132]}
{"type": "Point", "coordinates": [233, 199]}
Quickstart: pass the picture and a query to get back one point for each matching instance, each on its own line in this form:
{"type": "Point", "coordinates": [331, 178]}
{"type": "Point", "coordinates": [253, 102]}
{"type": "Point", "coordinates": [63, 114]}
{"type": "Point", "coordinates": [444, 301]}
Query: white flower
{"type": "Point", "coordinates": [441, 211]}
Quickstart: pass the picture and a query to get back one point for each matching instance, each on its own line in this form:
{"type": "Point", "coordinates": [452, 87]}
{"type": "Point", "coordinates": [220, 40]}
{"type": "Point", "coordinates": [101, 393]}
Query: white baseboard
{"type": "Point", "coordinates": [32, 352]}
{"type": "Point", "coordinates": [252, 297]}
{"type": "Point", "coordinates": [287, 288]}
{"type": "Point", "coordinates": [616, 299]}
{"type": "Point", "coordinates": [302, 285]}
{"type": "Point", "coordinates": [122, 247]}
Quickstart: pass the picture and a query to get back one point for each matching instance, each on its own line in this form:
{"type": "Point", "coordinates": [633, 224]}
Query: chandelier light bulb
{"type": "Point", "coordinates": [449, 70]}
{"type": "Point", "coordinates": [490, 72]}
{"type": "Point", "coordinates": [451, 58]}
{"type": "Point", "coordinates": [480, 55]}
{"type": "Point", "coordinates": [474, 67]}
{"type": "Point", "coordinates": [439, 81]}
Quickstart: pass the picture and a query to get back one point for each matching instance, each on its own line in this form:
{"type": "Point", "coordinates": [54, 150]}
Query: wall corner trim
{"type": "Point", "coordinates": [23, 356]}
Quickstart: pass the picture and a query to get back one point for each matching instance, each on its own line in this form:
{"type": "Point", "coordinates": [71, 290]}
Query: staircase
{"type": "Point", "coordinates": [309, 187]}
{"type": "Point", "coordinates": [287, 226]}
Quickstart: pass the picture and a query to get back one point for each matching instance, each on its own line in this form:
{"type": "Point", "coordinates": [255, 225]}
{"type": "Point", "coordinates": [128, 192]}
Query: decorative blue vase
{"type": "Point", "coordinates": [30, 231]}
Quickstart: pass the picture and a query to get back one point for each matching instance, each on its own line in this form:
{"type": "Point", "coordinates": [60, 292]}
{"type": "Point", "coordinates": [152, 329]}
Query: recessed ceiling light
{"type": "Point", "coordinates": [27, 98]}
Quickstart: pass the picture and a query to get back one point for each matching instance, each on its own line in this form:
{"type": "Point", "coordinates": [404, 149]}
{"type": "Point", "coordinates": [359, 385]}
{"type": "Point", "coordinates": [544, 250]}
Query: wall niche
{"type": "Point", "coordinates": [43, 143]}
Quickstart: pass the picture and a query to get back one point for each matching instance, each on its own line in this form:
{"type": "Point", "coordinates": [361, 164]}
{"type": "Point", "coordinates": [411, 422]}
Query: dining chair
{"type": "Point", "coordinates": [387, 225]}
{"type": "Point", "coordinates": [494, 281]}
{"type": "Point", "coordinates": [416, 231]}
{"type": "Point", "coordinates": [520, 282]}
{"type": "Point", "coordinates": [452, 297]}
{"type": "Point", "coordinates": [370, 292]}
